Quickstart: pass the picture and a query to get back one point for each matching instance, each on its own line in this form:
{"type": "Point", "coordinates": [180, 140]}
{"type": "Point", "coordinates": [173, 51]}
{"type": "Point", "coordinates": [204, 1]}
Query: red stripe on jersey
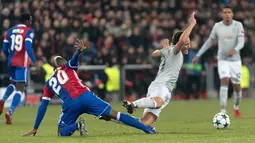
{"type": "Point", "coordinates": [6, 37]}
{"type": "Point", "coordinates": [73, 85]}
{"type": "Point", "coordinates": [47, 94]}
{"type": "Point", "coordinates": [20, 58]}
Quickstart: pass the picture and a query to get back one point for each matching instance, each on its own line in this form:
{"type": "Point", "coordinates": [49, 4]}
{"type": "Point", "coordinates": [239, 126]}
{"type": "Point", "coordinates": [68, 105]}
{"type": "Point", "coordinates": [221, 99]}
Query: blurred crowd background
{"type": "Point", "coordinates": [121, 32]}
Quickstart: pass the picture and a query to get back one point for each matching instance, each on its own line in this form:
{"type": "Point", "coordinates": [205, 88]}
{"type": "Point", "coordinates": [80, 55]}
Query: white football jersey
{"type": "Point", "coordinates": [169, 68]}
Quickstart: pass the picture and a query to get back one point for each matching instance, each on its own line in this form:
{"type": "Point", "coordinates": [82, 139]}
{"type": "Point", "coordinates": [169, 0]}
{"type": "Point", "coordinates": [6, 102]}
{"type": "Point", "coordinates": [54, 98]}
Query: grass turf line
{"type": "Point", "coordinates": [180, 121]}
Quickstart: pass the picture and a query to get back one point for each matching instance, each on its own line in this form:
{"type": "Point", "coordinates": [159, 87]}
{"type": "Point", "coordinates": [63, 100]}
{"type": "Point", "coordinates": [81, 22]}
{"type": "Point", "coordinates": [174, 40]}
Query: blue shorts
{"type": "Point", "coordinates": [18, 74]}
{"type": "Point", "coordinates": [85, 103]}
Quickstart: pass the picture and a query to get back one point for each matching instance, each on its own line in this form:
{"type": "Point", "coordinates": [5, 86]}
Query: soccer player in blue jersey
{"type": "Point", "coordinates": [77, 99]}
{"type": "Point", "coordinates": [17, 47]}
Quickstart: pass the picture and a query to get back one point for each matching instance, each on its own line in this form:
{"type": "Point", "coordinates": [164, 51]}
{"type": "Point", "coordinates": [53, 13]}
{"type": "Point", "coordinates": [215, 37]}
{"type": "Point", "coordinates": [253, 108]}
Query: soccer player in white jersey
{"type": "Point", "coordinates": [159, 91]}
{"type": "Point", "coordinates": [230, 35]}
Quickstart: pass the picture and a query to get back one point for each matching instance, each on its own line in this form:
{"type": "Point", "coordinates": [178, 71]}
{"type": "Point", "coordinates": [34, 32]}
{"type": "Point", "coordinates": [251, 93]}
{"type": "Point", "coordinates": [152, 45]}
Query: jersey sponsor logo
{"type": "Point", "coordinates": [228, 37]}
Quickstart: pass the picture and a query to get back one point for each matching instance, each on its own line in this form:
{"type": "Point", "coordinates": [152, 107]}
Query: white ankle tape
{"type": "Point", "coordinates": [118, 116]}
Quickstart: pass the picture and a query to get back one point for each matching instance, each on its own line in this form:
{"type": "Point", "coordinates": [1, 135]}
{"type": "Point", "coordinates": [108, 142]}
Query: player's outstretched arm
{"type": "Point", "coordinates": [80, 46]}
{"type": "Point", "coordinates": [165, 44]}
{"type": "Point", "coordinates": [204, 48]}
{"type": "Point", "coordinates": [206, 45]}
{"type": "Point", "coordinates": [40, 115]}
{"type": "Point", "coordinates": [185, 35]}
{"type": "Point", "coordinates": [156, 53]}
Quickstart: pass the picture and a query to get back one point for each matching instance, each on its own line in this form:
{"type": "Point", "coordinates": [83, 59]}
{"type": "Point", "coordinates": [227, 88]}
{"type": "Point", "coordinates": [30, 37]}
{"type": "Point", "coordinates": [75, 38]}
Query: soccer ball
{"type": "Point", "coordinates": [221, 121]}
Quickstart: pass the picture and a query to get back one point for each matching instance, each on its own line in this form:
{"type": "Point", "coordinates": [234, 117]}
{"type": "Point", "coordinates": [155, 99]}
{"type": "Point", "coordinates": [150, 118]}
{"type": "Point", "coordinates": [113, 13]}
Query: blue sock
{"type": "Point", "coordinates": [68, 130]}
{"type": "Point", "coordinates": [128, 120]}
{"type": "Point", "coordinates": [15, 101]}
{"type": "Point", "coordinates": [8, 91]}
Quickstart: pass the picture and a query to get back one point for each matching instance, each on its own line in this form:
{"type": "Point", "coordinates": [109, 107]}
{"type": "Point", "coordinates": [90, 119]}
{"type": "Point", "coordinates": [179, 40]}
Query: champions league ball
{"type": "Point", "coordinates": [221, 121]}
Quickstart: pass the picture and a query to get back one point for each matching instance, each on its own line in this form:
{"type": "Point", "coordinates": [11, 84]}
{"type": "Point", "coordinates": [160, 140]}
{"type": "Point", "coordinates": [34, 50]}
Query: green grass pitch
{"type": "Point", "coordinates": [180, 121]}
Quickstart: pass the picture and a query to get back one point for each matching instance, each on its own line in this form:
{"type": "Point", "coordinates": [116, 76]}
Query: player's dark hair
{"type": "Point", "coordinates": [227, 7]}
{"type": "Point", "coordinates": [59, 61]}
{"type": "Point", "coordinates": [176, 37]}
{"type": "Point", "coordinates": [24, 17]}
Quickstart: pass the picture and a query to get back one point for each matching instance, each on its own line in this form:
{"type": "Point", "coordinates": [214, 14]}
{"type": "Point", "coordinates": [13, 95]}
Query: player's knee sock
{"type": "Point", "coordinates": [145, 103]}
{"type": "Point", "coordinates": [15, 101]}
{"type": "Point", "coordinates": [8, 91]}
{"type": "Point", "coordinates": [128, 120]}
{"type": "Point", "coordinates": [237, 98]}
{"type": "Point", "coordinates": [68, 130]}
{"type": "Point", "coordinates": [223, 98]}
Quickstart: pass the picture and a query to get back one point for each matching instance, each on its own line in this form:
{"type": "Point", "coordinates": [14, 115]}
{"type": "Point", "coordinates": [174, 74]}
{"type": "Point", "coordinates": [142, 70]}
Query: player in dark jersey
{"type": "Point", "coordinates": [77, 99]}
{"type": "Point", "coordinates": [17, 47]}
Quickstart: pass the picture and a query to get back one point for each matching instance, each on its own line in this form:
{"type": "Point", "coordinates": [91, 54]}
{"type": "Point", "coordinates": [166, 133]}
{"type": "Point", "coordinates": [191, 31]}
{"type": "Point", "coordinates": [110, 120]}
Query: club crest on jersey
{"type": "Point", "coordinates": [32, 35]}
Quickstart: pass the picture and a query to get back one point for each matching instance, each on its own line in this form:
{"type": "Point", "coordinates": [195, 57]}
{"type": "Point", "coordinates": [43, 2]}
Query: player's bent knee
{"type": "Point", "coordinates": [224, 81]}
{"type": "Point", "coordinates": [159, 101]}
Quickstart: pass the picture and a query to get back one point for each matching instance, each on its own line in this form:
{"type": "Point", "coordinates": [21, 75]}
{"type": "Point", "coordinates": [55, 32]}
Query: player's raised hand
{"type": "Point", "coordinates": [164, 43]}
{"type": "Point", "coordinates": [192, 19]}
{"type": "Point", "coordinates": [33, 132]}
{"type": "Point", "coordinates": [80, 45]}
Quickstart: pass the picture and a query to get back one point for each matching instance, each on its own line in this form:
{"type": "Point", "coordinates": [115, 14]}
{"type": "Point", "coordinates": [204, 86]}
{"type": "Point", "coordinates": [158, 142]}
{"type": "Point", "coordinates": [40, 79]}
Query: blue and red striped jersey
{"type": "Point", "coordinates": [16, 38]}
{"type": "Point", "coordinates": [64, 83]}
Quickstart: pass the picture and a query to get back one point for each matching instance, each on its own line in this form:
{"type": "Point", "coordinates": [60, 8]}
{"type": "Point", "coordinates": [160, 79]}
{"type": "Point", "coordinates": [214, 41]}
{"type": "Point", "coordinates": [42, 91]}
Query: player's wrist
{"type": "Point", "coordinates": [192, 24]}
{"type": "Point", "coordinates": [79, 51]}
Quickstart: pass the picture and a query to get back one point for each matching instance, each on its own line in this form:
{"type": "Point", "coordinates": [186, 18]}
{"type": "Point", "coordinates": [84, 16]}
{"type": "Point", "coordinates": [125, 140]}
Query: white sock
{"type": "Point", "coordinates": [237, 98]}
{"type": "Point", "coordinates": [145, 103]}
{"type": "Point", "coordinates": [223, 98]}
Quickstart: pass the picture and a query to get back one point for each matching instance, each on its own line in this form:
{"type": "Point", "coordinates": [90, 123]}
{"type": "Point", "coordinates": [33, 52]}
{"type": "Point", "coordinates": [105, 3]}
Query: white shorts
{"type": "Point", "coordinates": [158, 90]}
{"type": "Point", "coordinates": [230, 69]}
